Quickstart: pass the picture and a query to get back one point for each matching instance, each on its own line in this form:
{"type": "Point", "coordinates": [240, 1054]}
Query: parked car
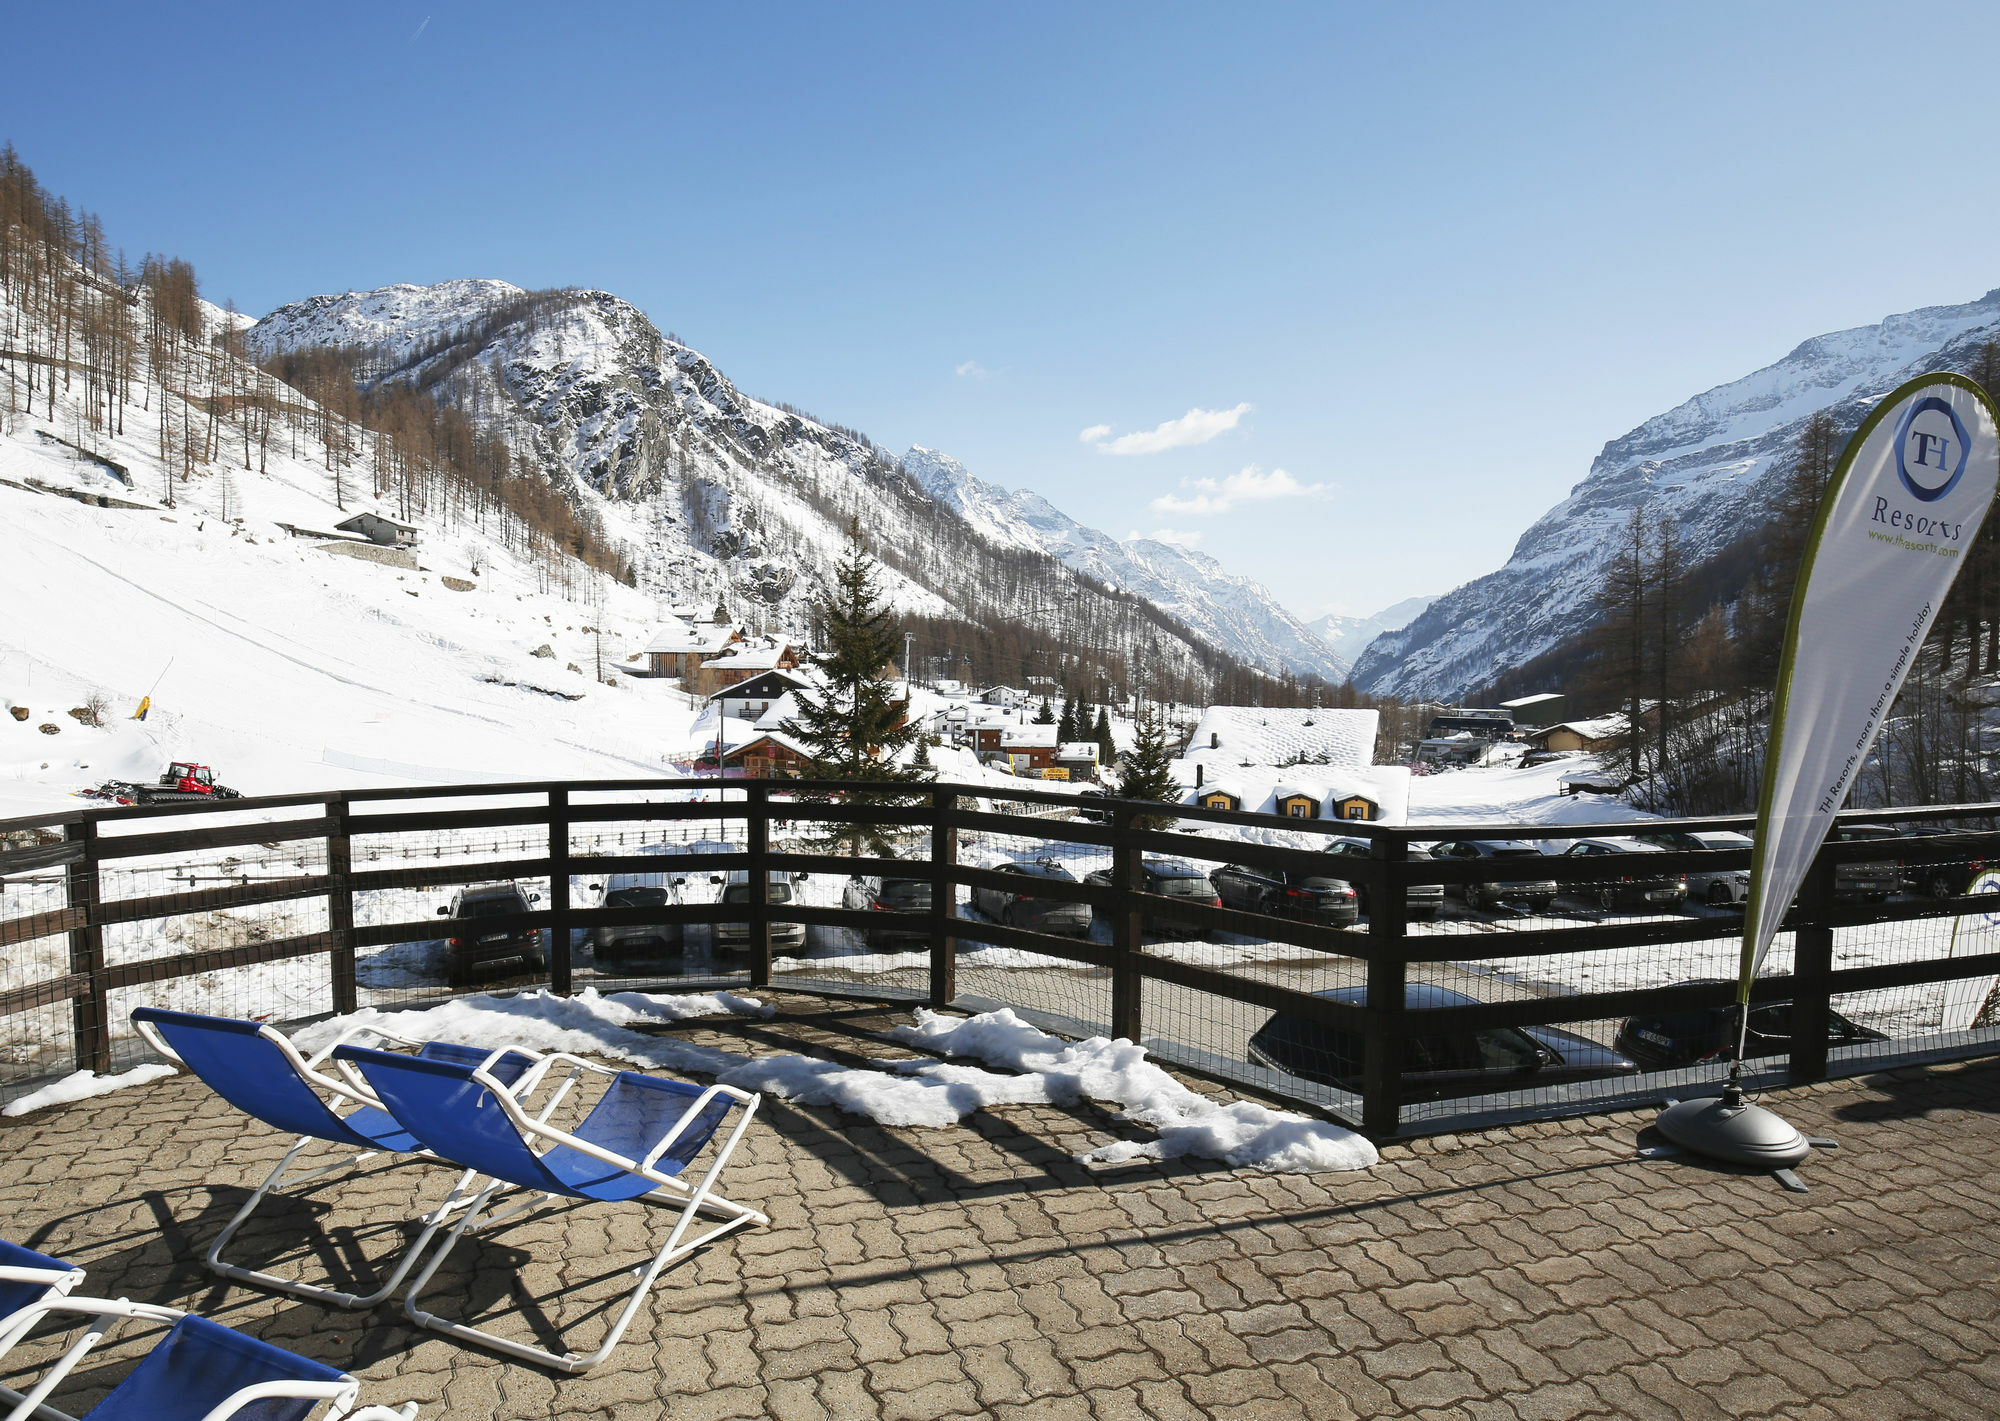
{"type": "Point", "coordinates": [468, 947]}
{"type": "Point", "coordinates": [1667, 1040]}
{"type": "Point", "coordinates": [1950, 879]}
{"type": "Point", "coordinates": [1169, 878]}
{"type": "Point", "coordinates": [1090, 806]}
{"type": "Point", "coordinates": [1437, 1066]}
{"type": "Point", "coordinates": [782, 888]}
{"type": "Point", "coordinates": [624, 945]}
{"type": "Point", "coordinates": [905, 904]}
{"type": "Point", "coordinates": [1717, 887]}
{"type": "Point", "coordinates": [1870, 880]}
{"type": "Point", "coordinates": [1421, 901]}
{"type": "Point", "coordinates": [1512, 882]}
{"type": "Point", "coordinates": [1635, 885]}
{"type": "Point", "coordinates": [1021, 907]}
{"type": "Point", "coordinates": [1282, 893]}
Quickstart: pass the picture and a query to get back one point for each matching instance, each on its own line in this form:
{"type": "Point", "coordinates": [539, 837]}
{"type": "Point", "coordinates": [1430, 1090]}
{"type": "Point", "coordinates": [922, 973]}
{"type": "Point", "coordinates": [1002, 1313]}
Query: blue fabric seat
{"type": "Point", "coordinates": [199, 1369]}
{"type": "Point", "coordinates": [257, 1069]}
{"type": "Point", "coordinates": [29, 1281]}
{"type": "Point", "coordinates": [643, 1133]}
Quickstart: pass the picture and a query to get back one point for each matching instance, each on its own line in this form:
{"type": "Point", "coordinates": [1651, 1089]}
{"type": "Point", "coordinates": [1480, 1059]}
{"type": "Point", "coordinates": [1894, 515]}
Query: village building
{"type": "Point", "coordinates": [736, 663]}
{"type": "Point", "coordinates": [1236, 737]}
{"type": "Point", "coordinates": [1369, 794]}
{"type": "Point", "coordinates": [1079, 757]}
{"type": "Point", "coordinates": [679, 648]}
{"type": "Point", "coordinates": [1028, 749]}
{"type": "Point", "coordinates": [769, 754]}
{"type": "Point", "coordinates": [1594, 736]}
{"type": "Point", "coordinates": [753, 698]}
{"type": "Point", "coordinates": [380, 528]}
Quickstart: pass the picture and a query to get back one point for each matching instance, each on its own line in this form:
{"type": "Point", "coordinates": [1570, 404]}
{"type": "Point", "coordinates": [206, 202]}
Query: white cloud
{"type": "Point", "coordinates": [1249, 485]}
{"type": "Point", "coordinates": [1197, 426]}
{"type": "Point", "coordinates": [1167, 535]}
{"type": "Point", "coordinates": [972, 368]}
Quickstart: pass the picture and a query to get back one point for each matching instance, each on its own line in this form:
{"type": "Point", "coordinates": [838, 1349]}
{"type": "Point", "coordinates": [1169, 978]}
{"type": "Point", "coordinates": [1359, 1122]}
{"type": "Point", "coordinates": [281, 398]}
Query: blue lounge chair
{"type": "Point", "coordinates": [257, 1070]}
{"type": "Point", "coordinates": [199, 1371]}
{"type": "Point", "coordinates": [633, 1146]}
{"type": "Point", "coordinates": [29, 1283]}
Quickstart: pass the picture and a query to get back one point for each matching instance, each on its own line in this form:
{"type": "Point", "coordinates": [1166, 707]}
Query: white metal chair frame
{"type": "Point", "coordinates": [106, 1313]}
{"type": "Point", "coordinates": [669, 1191]}
{"type": "Point", "coordinates": [58, 1281]}
{"type": "Point", "coordinates": [349, 1087]}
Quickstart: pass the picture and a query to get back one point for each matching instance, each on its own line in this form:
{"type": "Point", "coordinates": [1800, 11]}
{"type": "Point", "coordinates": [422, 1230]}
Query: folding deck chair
{"type": "Point", "coordinates": [636, 1141]}
{"type": "Point", "coordinates": [199, 1371]}
{"type": "Point", "coordinates": [257, 1070]}
{"type": "Point", "coordinates": [29, 1283]}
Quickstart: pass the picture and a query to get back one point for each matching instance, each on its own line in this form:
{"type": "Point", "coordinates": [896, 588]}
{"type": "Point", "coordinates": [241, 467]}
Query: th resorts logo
{"type": "Point", "coordinates": [1931, 449]}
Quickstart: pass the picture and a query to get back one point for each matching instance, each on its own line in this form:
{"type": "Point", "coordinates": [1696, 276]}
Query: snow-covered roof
{"type": "Point", "coordinates": [776, 737]}
{"type": "Point", "coordinates": [1028, 737]}
{"type": "Point", "coordinates": [367, 514]}
{"type": "Point", "coordinates": [676, 637]}
{"type": "Point", "coordinates": [749, 658]}
{"type": "Point", "coordinates": [1258, 789]}
{"type": "Point", "coordinates": [759, 684]}
{"type": "Point", "coordinates": [1604, 727]}
{"type": "Point", "coordinates": [1077, 750]}
{"type": "Point", "coordinates": [1281, 736]}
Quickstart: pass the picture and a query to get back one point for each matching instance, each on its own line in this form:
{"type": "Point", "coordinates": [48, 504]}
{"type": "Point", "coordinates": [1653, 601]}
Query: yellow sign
{"type": "Point", "coordinates": [1055, 774]}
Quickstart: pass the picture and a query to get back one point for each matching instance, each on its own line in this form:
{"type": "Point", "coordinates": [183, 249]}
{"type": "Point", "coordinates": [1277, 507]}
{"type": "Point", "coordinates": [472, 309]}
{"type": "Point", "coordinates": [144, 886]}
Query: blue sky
{"type": "Point", "coordinates": [1410, 266]}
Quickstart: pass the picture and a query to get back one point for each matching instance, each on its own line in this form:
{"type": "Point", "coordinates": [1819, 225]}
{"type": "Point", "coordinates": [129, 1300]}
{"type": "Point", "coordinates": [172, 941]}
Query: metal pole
{"type": "Point", "coordinates": [944, 900]}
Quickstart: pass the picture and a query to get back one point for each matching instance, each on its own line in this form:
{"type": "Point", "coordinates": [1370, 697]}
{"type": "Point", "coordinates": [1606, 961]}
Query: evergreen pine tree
{"type": "Point", "coordinates": [922, 759]}
{"type": "Point", "coordinates": [1066, 728]}
{"type": "Point", "coordinates": [1107, 748]}
{"type": "Point", "coordinates": [852, 726]}
{"type": "Point", "coordinates": [1046, 715]}
{"type": "Point", "coordinates": [1148, 772]}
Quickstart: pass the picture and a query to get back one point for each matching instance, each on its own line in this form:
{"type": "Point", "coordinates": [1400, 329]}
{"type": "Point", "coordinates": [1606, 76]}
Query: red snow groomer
{"type": "Point", "coordinates": [181, 782]}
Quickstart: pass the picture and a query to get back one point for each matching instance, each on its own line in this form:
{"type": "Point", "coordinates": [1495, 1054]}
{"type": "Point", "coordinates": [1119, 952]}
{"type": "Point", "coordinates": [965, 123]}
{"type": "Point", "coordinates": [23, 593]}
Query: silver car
{"type": "Point", "coordinates": [626, 944]}
{"type": "Point", "coordinates": [1021, 907]}
{"type": "Point", "coordinates": [735, 937]}
{"type": "Point", "coordinates": [1717, 887]}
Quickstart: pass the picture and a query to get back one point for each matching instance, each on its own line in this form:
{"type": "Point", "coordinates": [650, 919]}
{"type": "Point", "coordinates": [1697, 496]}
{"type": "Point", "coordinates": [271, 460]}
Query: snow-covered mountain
{"type": "Point", "coordinates": [1704, 463]}
{"type": "Point", "coordinates": [725, 495]}
{"type": "Point", "coordinates": [1236, 613]}
{"type": "Point", "coordinates": [1349, 636]}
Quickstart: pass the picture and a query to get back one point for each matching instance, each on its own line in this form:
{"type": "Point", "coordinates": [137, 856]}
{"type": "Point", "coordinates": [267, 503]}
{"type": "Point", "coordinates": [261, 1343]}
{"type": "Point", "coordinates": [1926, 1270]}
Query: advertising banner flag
{"type": "Point", "coordinates": [1896, 523]}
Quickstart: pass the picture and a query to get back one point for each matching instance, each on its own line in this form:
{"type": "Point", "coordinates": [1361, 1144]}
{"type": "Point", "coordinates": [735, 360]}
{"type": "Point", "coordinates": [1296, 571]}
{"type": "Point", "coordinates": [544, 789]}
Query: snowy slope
{"type": "Point", "coordinates": [285, 666]}
{"type": "Point", "coordinates": [722, 495]}
{"type": "Point", "coordinates": [1233, 612]}
{"type": "Point", "coordinates": [1704, 462]}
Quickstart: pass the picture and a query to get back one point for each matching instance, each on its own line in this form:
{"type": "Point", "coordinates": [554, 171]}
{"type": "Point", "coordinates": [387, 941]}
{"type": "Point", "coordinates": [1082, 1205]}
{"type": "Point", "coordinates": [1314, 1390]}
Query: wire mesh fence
{"type": "Point", "coordinates": [1553, 972]}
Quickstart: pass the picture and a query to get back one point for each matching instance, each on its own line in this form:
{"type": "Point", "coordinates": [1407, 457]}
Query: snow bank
{"type": "Point", "coordinates": [1239, 1133]}
{"type": "Point", "coordinates": [589, 1023]}
{"type": "Point", "coordinates": [926, 1094]}
{"type": "Point", "coordinates": [85, 1084]}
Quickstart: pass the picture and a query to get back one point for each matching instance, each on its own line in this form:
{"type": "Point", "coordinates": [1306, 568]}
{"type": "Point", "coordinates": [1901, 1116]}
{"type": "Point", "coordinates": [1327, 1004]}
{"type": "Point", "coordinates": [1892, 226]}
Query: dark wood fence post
{"type": "Point", "coordinates": [1812, 972]}
{"type": "Point", "coordinates": [1128, 877]}
{"type": "Point", "coordinates": [944, 899]}
{"type": "Point", "coordinates": [90, 1010]}
{"type": "Point", "coordinates": [561, 981]}
{"type": "Point", "coordinates": [1388, 971]}
{"type": "Point", "coordinates": [757, 812]}
{"type": "Point", "coordinates": [340, 904]}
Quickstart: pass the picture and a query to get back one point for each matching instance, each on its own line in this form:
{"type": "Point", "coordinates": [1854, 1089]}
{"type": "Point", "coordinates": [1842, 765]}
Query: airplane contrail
{"type": "Point", "coordinates": [420, 29]}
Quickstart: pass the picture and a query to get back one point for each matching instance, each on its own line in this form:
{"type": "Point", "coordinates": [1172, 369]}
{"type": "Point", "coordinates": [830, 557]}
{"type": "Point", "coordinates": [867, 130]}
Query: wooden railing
{"type": "Point", "coordinates": [82, 845]}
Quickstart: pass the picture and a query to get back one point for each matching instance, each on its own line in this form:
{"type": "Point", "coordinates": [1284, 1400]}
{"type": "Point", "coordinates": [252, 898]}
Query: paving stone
{"type": "Point", "coordinates": [1537, 1270]}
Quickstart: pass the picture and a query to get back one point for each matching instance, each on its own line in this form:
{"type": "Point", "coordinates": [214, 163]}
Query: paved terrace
{"type": "Point", "coordinates": [1538, 1271]}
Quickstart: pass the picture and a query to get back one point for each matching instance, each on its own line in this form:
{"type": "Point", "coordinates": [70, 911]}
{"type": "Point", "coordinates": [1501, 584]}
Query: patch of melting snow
{"type": "Point", "coordinates": [83, 1085]}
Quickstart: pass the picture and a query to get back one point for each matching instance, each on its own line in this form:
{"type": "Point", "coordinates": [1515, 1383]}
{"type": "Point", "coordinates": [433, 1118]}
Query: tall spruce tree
{"type": "Point", "coordinates": [1107, 748]}
{"type": "Point", "coordinates": [1148, 770]}
{"type": "Point", "coordinates": [1046, 715]}
{"type": "Point", "coordinates": [854, 726]}
{"type": "Point", "coordinates": [1066, 727]}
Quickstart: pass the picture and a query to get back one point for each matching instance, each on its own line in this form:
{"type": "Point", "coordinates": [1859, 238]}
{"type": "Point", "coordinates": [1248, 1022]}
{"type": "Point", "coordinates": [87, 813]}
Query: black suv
{"type": "Point", "coordinates": [1939, 880]}
{"type": "Point", "coordinates": [1688, 1038]}
{"type": "Point", "coordinates": [1497, 1058]}
{"type": "Point", "coordinates": [905, 904]}
{"type": "Point", "coordinates": [1634, 884]}
{"type": "Point", "coordinates": [468, 947]}
{"type": "Point", "coordinates": [1421, 901]}
{"type": "Point", "coordinates": [1169, 878]}
{"type": "Point", "coordinates": [1281, 893]}
{"type": "Point", "coordinates": [1515, 887]}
